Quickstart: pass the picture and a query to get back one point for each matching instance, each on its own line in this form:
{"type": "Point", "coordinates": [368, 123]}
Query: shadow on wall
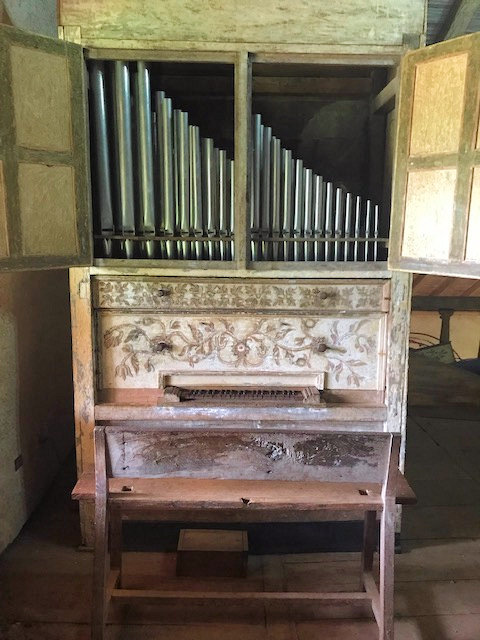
{"type": "Point", "coordinates": [36, 413]}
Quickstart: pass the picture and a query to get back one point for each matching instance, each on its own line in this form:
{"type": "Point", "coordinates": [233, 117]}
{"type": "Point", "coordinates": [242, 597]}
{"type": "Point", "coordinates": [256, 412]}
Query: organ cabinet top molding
{"type": "Point", "coordinates": [213, 155]}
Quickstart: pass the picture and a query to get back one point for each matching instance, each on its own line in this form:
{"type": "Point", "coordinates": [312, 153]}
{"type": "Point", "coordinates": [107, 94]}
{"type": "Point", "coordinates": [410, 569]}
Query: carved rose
{"type": "Point", "coordinates": [159, 344]}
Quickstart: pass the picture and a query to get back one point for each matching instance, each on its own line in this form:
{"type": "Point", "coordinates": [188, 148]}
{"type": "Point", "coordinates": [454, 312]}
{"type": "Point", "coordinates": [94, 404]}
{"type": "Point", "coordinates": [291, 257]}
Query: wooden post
{"type": "Point", "coordinates": [101, 558]}
{"type": "Point", "coordinates": [84, 382]}
{"type": "Point", "coordinates": [445, 315]}
{"type": "Point", "coordinates": [387, 544]}
{"type": "Point", "coordinates": [243, 116]}
{"type": "Point", "coordinates": [369, 541]}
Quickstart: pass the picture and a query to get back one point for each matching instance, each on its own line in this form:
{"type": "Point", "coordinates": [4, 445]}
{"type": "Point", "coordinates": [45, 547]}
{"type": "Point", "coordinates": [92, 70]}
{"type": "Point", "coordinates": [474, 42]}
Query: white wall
{"type": "Point", "coordinates": [464, 329]}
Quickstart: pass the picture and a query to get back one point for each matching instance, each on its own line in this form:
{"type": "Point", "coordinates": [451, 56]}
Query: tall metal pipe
{"type": "Point", "coordinates": [358, 215]}
{"type": "Point", "coordinates": [307, 229]}
{"type": "Point", "coordinates": [256, 170]}
{"type": "Point", "coordinates": [286, 199]}
{"type": "Point", "coordinates": [208, 193]}
{"type": "Point", "coordinates": [318, 216]}
{"type": "Point", "coordinates": [339, 219]}
{"type": "Point", "coordinates": [231, 221]}
{"type": "Point", "coordinates": [195, 190]}
{"type": "Point", "coordinates": [165, 153]}
{"type": "Point", "coordinates": [123, 153]}
{"type": "Point", "coordinates": [182, 222]}
{"type": "Point", "coordinates": [368, 222]}
{"type": "Point", "coordinates": [298, 204]}
{"type": "Point", "coordinates": [328, 220]}
{"type": "Point", "coordinates": [103, 186]}
{"type": "Point", "coordinates": [222, 201]}
{"type": "Point", "coordinates": [145, 157]}
{"type": "Point", "coordinates": [274, 227]}
{"type": "Point", "coordinates": [266, 170]}
{"type": "Point", "coordinates": [376, 216]}
{"type": "Point", "coordinates": [348, 225]}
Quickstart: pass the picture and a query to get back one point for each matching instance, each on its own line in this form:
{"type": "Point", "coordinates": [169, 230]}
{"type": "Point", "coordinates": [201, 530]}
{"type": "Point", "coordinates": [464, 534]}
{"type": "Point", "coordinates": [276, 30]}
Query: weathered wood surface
{"type": "Point", "coordinates": [397, 356]}
{"type": "Point", "coordinates": [202, 268]}
{"type": "Point", "coordinates": [331, 457]}
{"type": "Point", "coordinates": [354, 415]}
{"type": "Point", "coordinates": [242, 144]}
{"type": "Point", "coordinates": [85, 488]}
{"type": "Point", "coordinates": [83, 367]}
{"type": "Point", "coordinates": [45, 211]}
{"type": "Point", "coordinates": [202, 294]}
{"type": "Point", "coordinates": [305, 22]}
{"type": "Point", "coordinates": [434, 208]}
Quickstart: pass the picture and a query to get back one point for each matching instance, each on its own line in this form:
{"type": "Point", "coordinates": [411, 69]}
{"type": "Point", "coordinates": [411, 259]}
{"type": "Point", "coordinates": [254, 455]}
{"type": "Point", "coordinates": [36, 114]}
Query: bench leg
{"type": "Point", "coordinates": [101, 570]}
{"type": "Point", "coordinates": [387, 560]}
{"type": "Point", "coordinates": [116, 543]}
{"type": "Point", "coordinates": [369, 542]}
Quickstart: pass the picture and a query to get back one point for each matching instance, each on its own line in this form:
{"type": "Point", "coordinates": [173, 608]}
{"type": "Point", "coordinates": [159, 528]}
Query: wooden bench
{"type": "Point", "coordinates": [144, 472]}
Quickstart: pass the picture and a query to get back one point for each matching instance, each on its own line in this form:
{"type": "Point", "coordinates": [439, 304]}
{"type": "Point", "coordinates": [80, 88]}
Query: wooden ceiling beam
{"type": "Point", "coordinates": [458, 19]}
{"type": "Point", "coordinates": [435, 303]}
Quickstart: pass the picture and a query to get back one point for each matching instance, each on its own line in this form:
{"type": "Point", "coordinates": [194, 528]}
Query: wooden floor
{"type": "Point", "coordinates": [45, 582]}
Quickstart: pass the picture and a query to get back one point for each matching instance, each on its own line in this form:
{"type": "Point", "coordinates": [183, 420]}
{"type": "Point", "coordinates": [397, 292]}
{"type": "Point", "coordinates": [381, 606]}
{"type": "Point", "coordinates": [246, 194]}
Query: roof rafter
{"type": "Point", "coordinates": [458, 19]}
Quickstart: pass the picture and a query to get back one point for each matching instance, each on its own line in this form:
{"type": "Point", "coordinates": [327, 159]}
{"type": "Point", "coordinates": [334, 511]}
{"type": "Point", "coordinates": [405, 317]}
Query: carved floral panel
{"type": "Point", "coordinates": [155, 293]}
{"type": "Point", "coordinates": [134, 349]}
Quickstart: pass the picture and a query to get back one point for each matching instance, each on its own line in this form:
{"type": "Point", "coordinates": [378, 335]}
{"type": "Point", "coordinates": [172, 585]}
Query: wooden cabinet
{"type": "Point", "coordinates": [346, 319]}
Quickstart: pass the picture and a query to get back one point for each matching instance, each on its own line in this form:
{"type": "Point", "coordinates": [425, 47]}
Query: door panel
{"type": "Point", "coordinates": [436, 190]}
{"type": "Point", "coordinates": [44, 200]}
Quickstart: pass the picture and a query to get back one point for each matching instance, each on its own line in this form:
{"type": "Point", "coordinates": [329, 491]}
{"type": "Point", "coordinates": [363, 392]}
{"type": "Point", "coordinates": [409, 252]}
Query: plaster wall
{"type": "Point", "coordinates": [464, 329]}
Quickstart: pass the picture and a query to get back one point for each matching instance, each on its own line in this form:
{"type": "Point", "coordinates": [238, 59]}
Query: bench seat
{"type": "Point", "coordinates": [241, 495]}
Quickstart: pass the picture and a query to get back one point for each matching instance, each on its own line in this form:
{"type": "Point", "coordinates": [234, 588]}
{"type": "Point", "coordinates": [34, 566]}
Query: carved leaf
{"type": "Point", "coordinates": [113, 338]}
{"type": "Point", "coordinates": [135, 363]}
{"type": "Point", "coordinates": [133, 334]}
{"type": "Point", "coordinates": [123, 370]}
{"type": "Point", "coordinates": [356, 363]}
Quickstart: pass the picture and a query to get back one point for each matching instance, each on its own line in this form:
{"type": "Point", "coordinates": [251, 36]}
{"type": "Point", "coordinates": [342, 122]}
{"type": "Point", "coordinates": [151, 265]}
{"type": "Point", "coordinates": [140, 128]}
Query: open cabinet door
{"type": "Point", "coordinates": [436, 191]}
{"type": "Point", "coordinates": [44, 199]}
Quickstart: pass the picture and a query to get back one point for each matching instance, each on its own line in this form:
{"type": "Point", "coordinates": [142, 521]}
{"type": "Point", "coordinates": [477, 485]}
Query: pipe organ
{"type": "Point", "coordinates": [164, 191]}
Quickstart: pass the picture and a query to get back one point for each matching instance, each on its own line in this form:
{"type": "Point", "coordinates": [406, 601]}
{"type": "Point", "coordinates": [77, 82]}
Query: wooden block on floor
{"type": "Point", "coordinates": [212, 552]}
